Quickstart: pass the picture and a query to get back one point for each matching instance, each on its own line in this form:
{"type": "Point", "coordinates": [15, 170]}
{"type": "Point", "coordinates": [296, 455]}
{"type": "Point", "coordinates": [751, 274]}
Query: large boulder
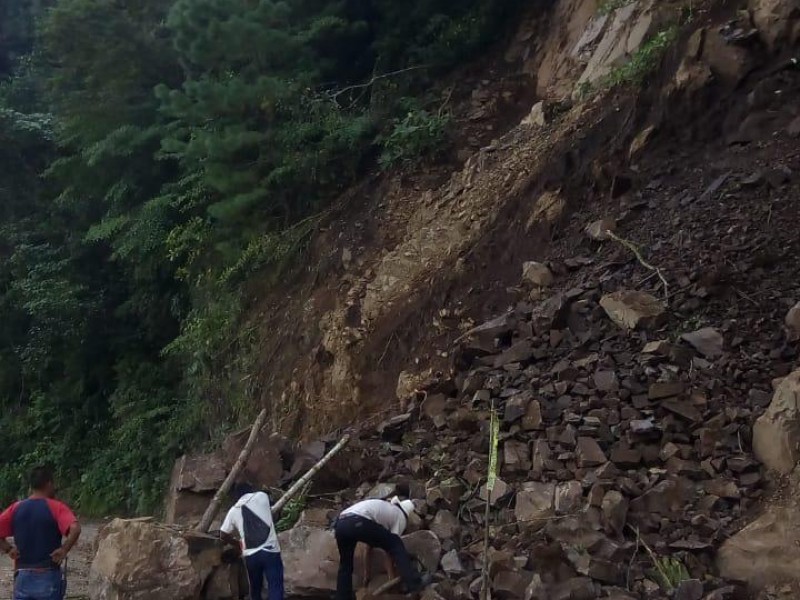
{"type": "Point", "coordinates": [792, 323]}
{"type": "Point", "coordinates": [764, 552]}
{"type": "Point", "coordinates": [311, 561]}
{"type": "Point", "coordinates": [777, 21]}
{"type": "Point", "coordinates": [776, 434]}
{"type": "Point", "coordinates": [192, 484]}
{"type": "Point", "coordinates": [140, 559]}
{"type": "Point", "coordinates": [264, 466]}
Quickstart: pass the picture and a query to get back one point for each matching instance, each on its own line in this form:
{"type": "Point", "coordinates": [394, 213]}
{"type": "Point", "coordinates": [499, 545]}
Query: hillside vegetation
{"type": "Point", "coordinates": [156, 157]}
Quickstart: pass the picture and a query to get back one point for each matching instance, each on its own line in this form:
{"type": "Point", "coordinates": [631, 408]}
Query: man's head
{"type": "Point", "coordinates": [240, 489]}
{"type": "Point", "coordinates": [41, 482]}
{"type": "Point", "coordinates": [406, 506]}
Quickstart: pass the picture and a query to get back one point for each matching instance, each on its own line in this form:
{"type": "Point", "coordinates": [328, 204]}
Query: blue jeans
{"type": "Point", "coordinates": [39, 585]}
{"type": "Point", "coordinates": [263, 565]}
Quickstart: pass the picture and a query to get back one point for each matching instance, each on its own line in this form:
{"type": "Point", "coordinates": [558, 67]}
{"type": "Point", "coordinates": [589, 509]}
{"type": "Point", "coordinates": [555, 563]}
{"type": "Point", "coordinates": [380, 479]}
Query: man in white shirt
{"type": "Point", "coordinates": [251, 518]}
{"type": "Point", "coordinates": [379, 524]}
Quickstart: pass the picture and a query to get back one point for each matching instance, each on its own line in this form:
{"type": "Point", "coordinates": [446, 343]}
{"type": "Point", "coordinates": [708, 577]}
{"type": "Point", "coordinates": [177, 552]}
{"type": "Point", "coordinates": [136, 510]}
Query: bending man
{"type": "Point", "coordinates": [378, 524]}
{"type": "Point", "coordinates": [251, 518]}
{"type": "Point", "coordinates": [39, 525]}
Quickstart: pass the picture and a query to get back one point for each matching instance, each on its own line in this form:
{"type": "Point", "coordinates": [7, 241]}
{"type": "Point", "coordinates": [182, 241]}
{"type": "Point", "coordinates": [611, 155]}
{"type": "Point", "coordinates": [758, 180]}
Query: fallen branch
{"type": "Point", "coordinates": [632, 247]}
{"type": "Point", "coordinates": [373, 79]}
{"type": "Point", "coordinates": [213, 507]}
{"type": "Point", "coordinates": [300, 483]}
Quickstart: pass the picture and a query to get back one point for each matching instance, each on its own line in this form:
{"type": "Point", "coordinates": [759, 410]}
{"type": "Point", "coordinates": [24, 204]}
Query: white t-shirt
{"type": "Point", "coordinates": [258, 504]}
{"type": "Point", "coordinates": [382, 512]}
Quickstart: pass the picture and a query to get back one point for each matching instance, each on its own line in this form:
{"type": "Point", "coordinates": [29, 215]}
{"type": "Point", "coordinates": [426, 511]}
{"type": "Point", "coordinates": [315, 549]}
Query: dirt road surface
{"type": "Point", "coordinates": [78, 566]}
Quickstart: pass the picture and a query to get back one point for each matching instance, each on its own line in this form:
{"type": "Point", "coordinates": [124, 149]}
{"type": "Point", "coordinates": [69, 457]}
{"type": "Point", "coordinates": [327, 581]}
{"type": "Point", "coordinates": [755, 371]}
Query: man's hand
{"type": "Point", "coordinates": [59, 555]}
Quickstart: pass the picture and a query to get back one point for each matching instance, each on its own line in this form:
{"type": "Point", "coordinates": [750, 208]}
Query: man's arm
{"type": "Point", "coordinates": [6, 531]}
{"type": "Point", "coordinates": [73, 533]}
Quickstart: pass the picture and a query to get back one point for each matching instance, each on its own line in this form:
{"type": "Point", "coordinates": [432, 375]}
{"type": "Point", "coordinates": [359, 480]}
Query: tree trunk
{"type": "Point", "coordinates": [213, 507]}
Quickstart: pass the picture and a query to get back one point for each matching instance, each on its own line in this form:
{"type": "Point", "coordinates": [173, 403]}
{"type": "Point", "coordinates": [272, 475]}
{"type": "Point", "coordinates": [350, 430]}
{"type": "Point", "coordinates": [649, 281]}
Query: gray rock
{"type": "Point", "coordinates": [707, 341]}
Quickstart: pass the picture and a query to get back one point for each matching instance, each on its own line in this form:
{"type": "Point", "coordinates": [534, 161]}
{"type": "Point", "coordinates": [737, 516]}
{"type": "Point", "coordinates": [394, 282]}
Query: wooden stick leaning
{"type": "Point", "coordinates": [216, 501]}
{"type": "Point", "coordinates": [300, 483]}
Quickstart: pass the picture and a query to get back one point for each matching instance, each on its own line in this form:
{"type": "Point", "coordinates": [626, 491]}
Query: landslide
{"type": "Point", "coordinates": [408, 261]}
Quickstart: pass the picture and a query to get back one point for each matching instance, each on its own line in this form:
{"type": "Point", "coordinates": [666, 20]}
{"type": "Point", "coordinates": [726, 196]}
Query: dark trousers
{"type": "Point", "coordinates": [263, 565]}
{"type": "Point", "coordinates": [353, 529]}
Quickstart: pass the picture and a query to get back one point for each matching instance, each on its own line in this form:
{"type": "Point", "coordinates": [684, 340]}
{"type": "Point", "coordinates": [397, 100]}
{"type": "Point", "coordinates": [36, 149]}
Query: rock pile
{"type": "Point", "coordinates": [620, 450]}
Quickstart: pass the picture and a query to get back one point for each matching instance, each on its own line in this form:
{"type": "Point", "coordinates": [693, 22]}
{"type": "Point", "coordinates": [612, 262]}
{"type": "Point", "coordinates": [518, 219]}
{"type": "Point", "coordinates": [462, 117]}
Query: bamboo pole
{"type": "Point", "coordinates": [300, 483]}
{"type": "Point", "coordinates": [213, 507]}
{"type": "Point", "coordinates": [385, 587]}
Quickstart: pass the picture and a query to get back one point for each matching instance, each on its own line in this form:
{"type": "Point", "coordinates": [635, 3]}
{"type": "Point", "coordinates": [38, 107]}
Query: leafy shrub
{"type": "Point", "coordinates": [642, 62]}
{"type": "Point", "coordinates": [415, 137]}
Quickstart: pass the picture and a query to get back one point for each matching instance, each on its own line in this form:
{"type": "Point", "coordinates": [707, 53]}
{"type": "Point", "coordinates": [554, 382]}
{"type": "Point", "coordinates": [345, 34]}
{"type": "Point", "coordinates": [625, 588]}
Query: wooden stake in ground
{"type": "Point", "coordinates": [213, 507]}
{"type": "Point", "coordinates": [300, 483]}
{"type": "Point", "coordinates": [486, 592]}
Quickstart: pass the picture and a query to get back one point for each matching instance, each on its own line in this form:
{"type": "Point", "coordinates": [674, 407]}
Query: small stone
{"type": "Point", "coordinates": [516, 457]}
{"type": "Point", "coordinates": [445, 525]}
{"type": "Point", "coordinates": [589, 453]}
{"type": "Point", "coordinates": [500, 491]}
{"type": "Point", "coordinates": [662, 347]}
{"type": "Point", "coordinates": [516, 407]}
{"type": "Point", "coordinates": [382, 491]}
{"type": "Point", "coordinates": [606, 381]}
{"type": "Point", "coordinates": [535, 501]}
{"type": "Point", "coordinates": [533, 416]}
{"type": "Point", "coordinates": [689, 589]}
{"type": "Point", "coordinates": [536, 118]}
{"type": "Point", "coordinates": [682, 408]}
{"type": "Point", "coordinates": [568, 497]}
{"type": "Point", "coordinates": [598, 230]}
{"type": "Point", "coordinates": [451, 563]}
{"type": "Point", "coordinates": [615, 511]}
{"type": "Point", "coordinates": [707, 341]}
{"type": "Point", "coordinates": [665, 389]}
{"type": "Point", "coordinates": [537, 274]}
{"type": "Point", "coordinates": [633, 310]}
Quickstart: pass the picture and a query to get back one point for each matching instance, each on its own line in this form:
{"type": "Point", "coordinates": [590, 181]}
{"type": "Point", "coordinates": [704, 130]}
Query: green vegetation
{"type": "Point", "coordinates": [642, 62]}
{"type": "Point", "coordinates": [670, 572]}
{"type": "Point", "coordinates": [155, 157]}
{"type": "Point", "coordinates": [606, 7]}
{"type": "Point", "coordinates": [637, 68]}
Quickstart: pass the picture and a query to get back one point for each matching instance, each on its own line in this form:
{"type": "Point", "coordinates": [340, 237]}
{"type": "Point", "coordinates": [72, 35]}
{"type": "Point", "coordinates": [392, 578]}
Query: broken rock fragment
{"type": "Point", "coordinates": [793, 323]}
{"type": "Point", "coordinates": [632, 309]}
{"type": "Point", "coordinates": [537, 274]}
{"type": "Point", "coordinates": [776, 434]}
{"type": "Point", "coordinates": [707, 341]}
{"type": "Point", "coordinates": [589, 453]}
{"type": "Point", "coordinates": [598, 230]}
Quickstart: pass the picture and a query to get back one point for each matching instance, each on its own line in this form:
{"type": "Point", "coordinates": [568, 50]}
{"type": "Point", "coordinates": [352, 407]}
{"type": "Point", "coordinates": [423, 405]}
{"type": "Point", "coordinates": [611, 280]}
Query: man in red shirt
{"type": "Point", "coordinates": [39, 525]}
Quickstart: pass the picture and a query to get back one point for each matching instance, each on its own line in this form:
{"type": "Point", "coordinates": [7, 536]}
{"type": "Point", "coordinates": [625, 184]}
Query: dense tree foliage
{"type": "Point", "coordinates": [154, 157]}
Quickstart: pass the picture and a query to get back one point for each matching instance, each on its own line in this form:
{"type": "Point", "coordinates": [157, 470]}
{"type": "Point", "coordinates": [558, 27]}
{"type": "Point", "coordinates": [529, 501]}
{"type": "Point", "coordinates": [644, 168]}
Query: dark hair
{"type": "Point", "coordinates": [240, 489]}
{"type": "Point", "coordinates": [40, 477]}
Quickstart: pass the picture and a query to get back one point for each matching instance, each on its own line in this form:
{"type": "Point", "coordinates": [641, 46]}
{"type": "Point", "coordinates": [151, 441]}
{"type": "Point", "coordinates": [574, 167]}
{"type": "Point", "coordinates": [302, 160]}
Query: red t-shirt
{"type": "Point", "coordinates": [38, 526]}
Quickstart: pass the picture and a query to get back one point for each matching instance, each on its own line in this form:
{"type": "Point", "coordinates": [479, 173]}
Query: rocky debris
{"type": "Point", "coordinates": [311, 561]}
{"type": "Point", "coordinates": [597, 230]}
{"type": "Point", "coordinates": [140, 559]}
{"type": "Point", "coordinates": [707, 341]}
{"type": "Point", "coordinates": [777, 21]}
{"type": "Point", "coordinates": [536, 118]}
{"type": "Point", "coordinates": [792, 323]}
{"type": "Point", "coordinates": [776, 434]}
{"type": "Point", "coordinates": [633, 310]}
{"type": "Point", "coordinates": [764, 551]}
{"type": "Point", "coordinates": [537, 274]}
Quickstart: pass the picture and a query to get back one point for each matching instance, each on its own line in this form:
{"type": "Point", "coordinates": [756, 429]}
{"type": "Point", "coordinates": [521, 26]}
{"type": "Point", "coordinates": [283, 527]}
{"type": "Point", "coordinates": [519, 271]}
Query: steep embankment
{"type": "Point", "coordinates": [410, 259]}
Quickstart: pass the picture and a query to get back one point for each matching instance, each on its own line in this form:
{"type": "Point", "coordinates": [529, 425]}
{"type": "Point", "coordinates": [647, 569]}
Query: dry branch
{"type": "Point", "coordinates": [213, 507]}
{"type": "Point", "coordinates": [632, 247]}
